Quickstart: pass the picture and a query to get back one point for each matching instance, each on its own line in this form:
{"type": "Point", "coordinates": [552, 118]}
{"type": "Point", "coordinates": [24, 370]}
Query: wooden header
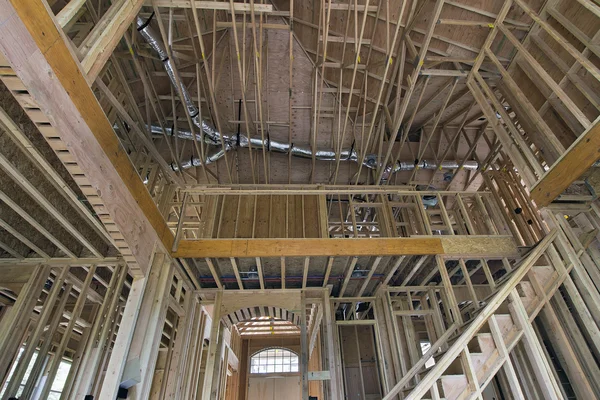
{"type": "Point", "coordinates": [447, 246]}
{"type": "Point", "coordinates": [237, 300]}
{"type": "Point", "coordinates": [211, 5]}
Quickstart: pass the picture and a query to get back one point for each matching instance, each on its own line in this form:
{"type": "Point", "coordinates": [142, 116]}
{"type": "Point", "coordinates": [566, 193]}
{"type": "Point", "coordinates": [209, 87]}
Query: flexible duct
{"type": "Point", "coordinates": [212, 136]}
{"type": "Point", "coordinates": [349, 155]}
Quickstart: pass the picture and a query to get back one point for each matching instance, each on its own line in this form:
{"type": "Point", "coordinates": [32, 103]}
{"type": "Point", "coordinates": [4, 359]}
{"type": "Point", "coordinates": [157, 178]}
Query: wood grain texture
{"type": "Point", "coordinates": [584, 152]}
{"type": "Point", "coordinates": [455, 246]}
{"type": "Point", "coordinates": [52, 74]}
{"type": "Point", "coordinates": [490, 246]}
{"type": "Point", "coordinates": [234, 301]}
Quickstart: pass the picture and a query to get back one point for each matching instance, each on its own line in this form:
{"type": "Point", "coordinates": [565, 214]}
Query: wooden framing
{"type": "Point", "coordinates": [116, 365]}
{"type": "Point", "coordinates": [360, 275]}
{"type": "Point", "coordinates": [30, 23]}
{"type": "Point", "coordinates": [456, 246]}
{"type": "Point", "coordinates": [524, 307]}
{"type": "Point", "coordinates": [211, 5]}
{"type": "Point", "coordinates": [105, 36]}
{"type": "Point", "coordinates": [577, 159]}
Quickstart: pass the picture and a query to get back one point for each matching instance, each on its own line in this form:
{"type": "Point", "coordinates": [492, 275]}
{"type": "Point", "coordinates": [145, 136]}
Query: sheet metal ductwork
{"type": "Point", "coordinates": [213, 137]}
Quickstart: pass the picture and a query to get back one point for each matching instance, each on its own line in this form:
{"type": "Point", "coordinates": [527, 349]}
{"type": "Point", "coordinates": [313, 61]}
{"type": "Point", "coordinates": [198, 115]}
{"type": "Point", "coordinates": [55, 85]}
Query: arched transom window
{"type": "Point", "coordinates": [273, 360]}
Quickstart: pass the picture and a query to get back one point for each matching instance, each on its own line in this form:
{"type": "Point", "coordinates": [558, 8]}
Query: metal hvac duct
{"type": "Point", "coordinates": [213, 137]}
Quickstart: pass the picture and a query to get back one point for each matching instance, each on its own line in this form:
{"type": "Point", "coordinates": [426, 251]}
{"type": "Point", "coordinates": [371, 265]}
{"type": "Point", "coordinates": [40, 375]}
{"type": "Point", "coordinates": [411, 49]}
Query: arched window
{"type": "Point", "coordinates": [273, 360]}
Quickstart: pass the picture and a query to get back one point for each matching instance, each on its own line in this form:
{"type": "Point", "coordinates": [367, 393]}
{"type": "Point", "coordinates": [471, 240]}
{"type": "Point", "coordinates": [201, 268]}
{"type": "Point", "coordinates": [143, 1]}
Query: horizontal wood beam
{"type": "Point", "coordinates": [454, 72]}
{"type": "Point", "coordinates": [351, 7]}
{"type": "Point", "coordinates": [211, 5]}
{"type": "Point", "coordinates": [447, 246]}
{"type": "Point", "coordinates": [344, 39]}
{"type": "Point", "coordinates": [354, 322]}
{"type": "Point", "coordinates": [46, 65]}
{"type": "Point", "coordinates": [578, 158]}
{"type": "Point", "coordinates": [61, 261]}
{"type": "Point", "coordinates": [250, 25]}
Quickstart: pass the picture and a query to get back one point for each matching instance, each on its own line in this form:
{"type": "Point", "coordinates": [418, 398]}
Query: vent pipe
{"type": "Point", "coordinates": [213, 137]}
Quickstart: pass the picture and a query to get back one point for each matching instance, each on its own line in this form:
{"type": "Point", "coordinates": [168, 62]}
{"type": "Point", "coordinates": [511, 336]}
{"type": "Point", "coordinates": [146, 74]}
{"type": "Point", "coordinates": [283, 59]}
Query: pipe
{"type": "Point", "coordinates": [369, 161]}
{"type": "Point", "coordinates": [212, 136]}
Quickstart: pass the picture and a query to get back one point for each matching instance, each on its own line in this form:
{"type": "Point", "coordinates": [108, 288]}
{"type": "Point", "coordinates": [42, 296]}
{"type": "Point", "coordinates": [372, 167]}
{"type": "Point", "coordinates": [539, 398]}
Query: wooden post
{"type": "Point", "coordinates": [55, 363]}
{"type": "Point", "coordinates": [17, 318]}
{"type": "Point", "coordinates": [198, 351]}
{"type": "Point", "coordinates": [37, 334]}
{"type": "Point", "coordinates": [118, 358]}
{"type": "Point", "coordinates": [387, 340]}
{"type": "Point", "coordinates": [99, 333]}
{"type": "Point", "coordinates": [44, 349]}
{"type": "Point", "coordinates": [212, 347]}
{"type": "Point", "coordinates": [453, 305]}
{"type": "Point", "coordinates": [219, 365]}
{"type": "Point", "coordinates": [335, 373]}
{"type": "Point", "coordinates": [178, 356]}
{"type": "Point", "coordinates": [303, 347]}
{"type": "Point", "coordinates": [143, 350]}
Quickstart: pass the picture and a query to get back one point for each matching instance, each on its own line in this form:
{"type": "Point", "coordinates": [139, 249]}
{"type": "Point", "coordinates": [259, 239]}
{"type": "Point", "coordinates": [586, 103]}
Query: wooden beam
{"type": "Point", "coordinates": [437, 9]}
{"type": "Point", "coordinates": [352, 7]}
{"type": "Point", "coordinates": [64, 95]}
{"type": "Point", "coordinates": [34, 223]}
{"type": "Point", "coordinates": [548, 80]}
{"type": "Point", "coordinates": [526, 110]}
{"type": "Point", "coordinates": [147, 143]}
{"type": "Point", "coordinates": [210, 5]}
{"type": "Point", "coordinates": [103, 39]}
{"type": "Point", "coordinates": [249, 25]}
{"type": "Point", "coordinates": [235, 300]}
{"type": "Point", "coordinates": [450, 246]}
{"type": "Point", "coordinates": [580, 156]}
{"type": "Point", "coordinates": [584, 61]}
{"type": "Point", "coordinates": [508, 144]}
{"type": "Point", "coordinates": [69, 12]}
{"type": "Point", "coordinates": [453, 72]}
{"type": "Point", "coordinates": [61, 261]}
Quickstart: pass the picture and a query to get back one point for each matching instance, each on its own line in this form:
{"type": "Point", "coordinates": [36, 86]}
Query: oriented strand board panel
{"type": "Point", "coordinates": [273, 216]}
{"type": "Point", "coordinates": [493, 246]}
{"type": "Point", "coordinates": [283, 387]}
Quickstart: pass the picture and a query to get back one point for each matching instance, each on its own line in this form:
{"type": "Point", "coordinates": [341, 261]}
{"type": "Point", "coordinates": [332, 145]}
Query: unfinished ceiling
{"type": "Point", "coordinates": [321, 77]}
{"type": "Point", "coordinates": [398, 92]}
